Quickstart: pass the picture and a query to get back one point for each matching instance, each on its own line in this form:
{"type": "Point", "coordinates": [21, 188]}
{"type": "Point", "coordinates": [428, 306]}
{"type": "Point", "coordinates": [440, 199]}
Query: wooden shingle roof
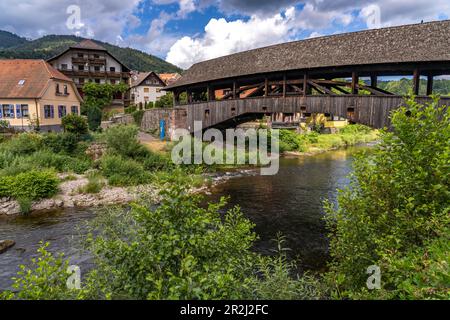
{"type": "Point", "coordinates": [410, 43]}
{"type": "Point", "coordinates": [22, 78]}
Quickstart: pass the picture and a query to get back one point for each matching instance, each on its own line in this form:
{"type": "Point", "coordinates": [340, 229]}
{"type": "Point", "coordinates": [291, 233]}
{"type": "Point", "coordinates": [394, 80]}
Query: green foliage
{"type": "Point", "coordinates": [123, 172]}
{"type": "Point", "coordinates": [9, 40]}
{"type": "Point", "coordinates": [165, 101]}
{"type": "Point", "coordinates": [61, 142]}
{"type": "Point", "coordinates": [131, 109]}
{"type": "Point", "coordinates": [51, 45]}
{"type": "Point", "coordinates": [45, 279]}
{"type": "Point", "coordinates": [291, 141]}
{"type": "Point", "coordinates": [75, 124]}
{"type": "Point", "coordinates": [23, 144]}
{"type": "Point", "coordinates": [122, 140]}
{"type": "Point", "coordinates": [94, 185]}
{"type": "Point", "coordinates": [395, 214]}
{"type": "Point", "coordinates": [25, 205]}
{"type": "Point", "coordinates": [32, 185]}
{"type": "Point", "coordinates": [137, 116]}
{"type": "Point", "coordinates": [94, 115]}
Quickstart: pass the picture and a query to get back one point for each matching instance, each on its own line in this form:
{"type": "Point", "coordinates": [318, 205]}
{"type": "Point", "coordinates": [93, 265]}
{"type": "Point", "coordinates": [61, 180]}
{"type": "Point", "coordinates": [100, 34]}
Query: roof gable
{"type": "Point", "coordinates": [88, 45]}
{"type": "Point", "coordinates": [26, 78]}
{"type": "Point", "coordinates": [143, 76]}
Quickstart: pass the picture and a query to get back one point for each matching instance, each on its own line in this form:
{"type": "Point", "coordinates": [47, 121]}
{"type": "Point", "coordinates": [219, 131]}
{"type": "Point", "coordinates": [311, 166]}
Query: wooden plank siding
{"type": "Point", "coordinates": [369, 110]}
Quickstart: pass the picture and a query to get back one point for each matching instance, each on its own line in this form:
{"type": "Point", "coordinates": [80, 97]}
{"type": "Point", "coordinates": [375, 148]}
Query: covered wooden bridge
{"type": "Point", "coordinates": [335, 75]}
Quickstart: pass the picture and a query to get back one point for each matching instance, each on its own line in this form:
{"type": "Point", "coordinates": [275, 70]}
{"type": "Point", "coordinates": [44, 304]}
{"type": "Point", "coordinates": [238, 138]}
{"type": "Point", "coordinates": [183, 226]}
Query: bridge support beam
{"type": "Point", "coordinates": [429, 85]}
{"type": "Point", "coordinates": [416, 81]}
{"type": "Point", "coordinates": [355, 81]}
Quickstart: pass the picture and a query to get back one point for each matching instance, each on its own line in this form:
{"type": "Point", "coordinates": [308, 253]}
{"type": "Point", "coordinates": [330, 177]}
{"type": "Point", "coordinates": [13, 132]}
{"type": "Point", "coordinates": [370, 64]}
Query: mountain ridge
{"type": "Point", "coordinates": [46, 47]}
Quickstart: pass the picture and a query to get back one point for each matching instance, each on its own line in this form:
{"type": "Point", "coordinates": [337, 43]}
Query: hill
{"type": "Point", "coordinates": [51, 45]}
{"type": "Point", "coordinates": [8, 39]}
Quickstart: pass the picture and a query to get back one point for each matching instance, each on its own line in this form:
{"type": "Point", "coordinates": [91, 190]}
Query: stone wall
{"type": "Point", "coordinates": [175, 118]}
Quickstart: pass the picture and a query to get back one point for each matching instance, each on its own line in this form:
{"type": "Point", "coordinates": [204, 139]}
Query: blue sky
{"type": "Point", "coordinates": [188, 31]}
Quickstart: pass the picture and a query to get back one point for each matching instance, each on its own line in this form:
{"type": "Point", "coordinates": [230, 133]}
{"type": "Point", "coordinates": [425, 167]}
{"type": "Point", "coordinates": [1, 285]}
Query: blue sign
{"type": "Point", "coordinates": [162, 129]}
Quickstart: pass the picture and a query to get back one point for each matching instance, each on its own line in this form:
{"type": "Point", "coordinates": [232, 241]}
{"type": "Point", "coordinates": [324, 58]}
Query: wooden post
{"type": "Point", "coordinates": [266, 87]}
{"type": "Point", "coordinates": [284, 86]}
{"type": "Point", "coordinates": [355, 81]}
{"type": "Point", "coordinates": [373, 81]}
{"type": "Point", "coordinates": [416, 81]}
{"type": "Point", "coordinates": [175, 98]}
{"type": "Point", "coordinates": [305, 84]}
{"type": "Point", "coordinates": [429, 85]}
{"type": "Point", "coordinates": [234, 89]}
{"type": "Point", "coordinates": [211, 93]}
{"type": "Point", "coordinates": [189, 96]}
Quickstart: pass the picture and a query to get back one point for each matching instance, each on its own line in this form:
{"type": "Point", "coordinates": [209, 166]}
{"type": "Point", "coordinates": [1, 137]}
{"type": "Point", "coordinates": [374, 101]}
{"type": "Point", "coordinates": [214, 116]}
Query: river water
{"type": "Point", "coordinates": [289, 202]}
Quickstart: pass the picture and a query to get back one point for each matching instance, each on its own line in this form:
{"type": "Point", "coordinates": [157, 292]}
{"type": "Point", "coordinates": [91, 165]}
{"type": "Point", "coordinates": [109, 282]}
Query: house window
{"type": "Point", "coordinates": [80, 55]}
{"type": "Point", "coordinates": [21, 82]}
{"type": "Point", "coordinates": [81, 67]}
{"type": "Point", "coordinates": [8, 111]}
{"type": "Point", "coordinates": [112, 69]}
{"type": "Point", "coordinates": [62, 111]}
{"type": "Point", "coordinates": [96, 56]}
{"type": "Point", "coordinates": [74, 109]}
{"type": "Point", "coordinates": [97, 68]}
{"type": "Point", "coordinates": [21, 111]}
{"type": "Point", "coordinates": [113, 81]}
{"type": "Point", "coordinates": [97, 80]}
{"type": "Point", "coordinates": [63, 66]}
{"type": "Point", "coordinates": [146, 99]}
{"type": "Point", "coordinates": [66, 92]}
{"type": "Point", "coordinates": [81, 80]}
{"type": "Point", "coordinates": [146, 90]}
{"type": "Point", "coordinates": [57, 89]}
{"type": "Point", "coordinates": [158, 90]}
{"type": "Point", "coordinates": [49, 112]}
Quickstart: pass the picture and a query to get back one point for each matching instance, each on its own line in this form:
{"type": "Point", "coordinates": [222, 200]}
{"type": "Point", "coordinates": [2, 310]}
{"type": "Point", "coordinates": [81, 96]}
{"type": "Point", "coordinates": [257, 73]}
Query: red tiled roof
{"type": "Point", "coordinates": [35, 73]}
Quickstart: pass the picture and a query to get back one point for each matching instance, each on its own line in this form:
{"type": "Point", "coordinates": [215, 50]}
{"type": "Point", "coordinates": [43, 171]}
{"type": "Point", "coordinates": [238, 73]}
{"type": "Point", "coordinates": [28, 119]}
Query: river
{"type": "Point", "coordinates": [289, 202]}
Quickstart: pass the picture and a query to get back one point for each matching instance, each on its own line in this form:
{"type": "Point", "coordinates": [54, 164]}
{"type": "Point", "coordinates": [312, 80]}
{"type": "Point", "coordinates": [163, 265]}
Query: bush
{"type": "Point", "coordinates": [291, 141]}
{"type": "Point", "coordinates": [182, 250]}
{"type": "Point", "coordinates": [123, 172]}
{"type": "Point", "coordinates": [395, 214]}
{"type": "Point", "coordinates": [137, 116]}
{"type": "Point", "coordinates": [44, 279]}
{"type": "Point", "coordinates": [61, 142]}
{"type": "Point", "coordinates": [24, 144]}
{"type": "Point", "coordinates": [32, 185]}
{"type": "Point", "coordinates": [94, 185]}
{"type": "Point", "coordinates": [74, 124]}
{"type": "Point", "coordinates": [123, 141]}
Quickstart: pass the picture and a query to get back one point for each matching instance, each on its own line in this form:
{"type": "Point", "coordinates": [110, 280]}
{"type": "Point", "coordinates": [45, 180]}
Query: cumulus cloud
{"type": "Point", "coordinates": [223, 37]}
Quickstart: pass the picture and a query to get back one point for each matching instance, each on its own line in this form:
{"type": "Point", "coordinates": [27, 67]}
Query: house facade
{"type": "Point", "coordinates": [32, 94]}
{"type": "Point", "coordinates": [146, 87]}
{"type": "Point", "coordinates": [87, 61]}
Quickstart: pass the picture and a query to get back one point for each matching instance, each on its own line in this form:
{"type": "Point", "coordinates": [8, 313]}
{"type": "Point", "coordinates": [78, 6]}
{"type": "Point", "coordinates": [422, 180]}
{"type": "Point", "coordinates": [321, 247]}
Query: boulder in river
{"type": "Point", "coordinates": [5, 245]}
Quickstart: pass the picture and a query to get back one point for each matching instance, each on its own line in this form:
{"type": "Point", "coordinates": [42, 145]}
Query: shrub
{"type": "Point", "coordinates": [25, 205]}
{"type": "Point", "coordinates": [123, 172]}
{"type": "Point", "coordinates": [123, 140]}
{"type": "Point", "coordinates": [74, 124]}
{"type": "Point", "coordinates": [45, 279]}
{"type": "Point", "coordinates": [137, 116]}
{"type": "Point", "coordinates": [395, 214]}
{"type": "Point", "coordinates": [290, 141]}
{"type": "Point", "coordinates": [94, 185]}
{"type": "Point", "coordinates": [61, 142]}
{"type": "Point", "coordinates": [24, 144]}
{"type": "Point", "coordinates": [33, 185]}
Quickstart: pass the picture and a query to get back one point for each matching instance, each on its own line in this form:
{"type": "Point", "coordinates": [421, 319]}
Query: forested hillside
{"type": "Point", "coordinates": [13, 47]}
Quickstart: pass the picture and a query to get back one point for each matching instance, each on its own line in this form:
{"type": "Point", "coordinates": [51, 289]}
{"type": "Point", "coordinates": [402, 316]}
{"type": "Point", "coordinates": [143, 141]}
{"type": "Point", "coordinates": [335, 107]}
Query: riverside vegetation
{"type": "Point", "coordinates": [395, 214]}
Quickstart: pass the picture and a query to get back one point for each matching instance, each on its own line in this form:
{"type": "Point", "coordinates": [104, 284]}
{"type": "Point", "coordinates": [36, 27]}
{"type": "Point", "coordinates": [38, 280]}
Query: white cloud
{"type": "Point", "coordinates": [225, 37]}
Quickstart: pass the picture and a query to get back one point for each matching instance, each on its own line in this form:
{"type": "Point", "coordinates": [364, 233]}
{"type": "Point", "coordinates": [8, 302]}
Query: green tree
{"type": "Point", "coordinates": [395, 214]}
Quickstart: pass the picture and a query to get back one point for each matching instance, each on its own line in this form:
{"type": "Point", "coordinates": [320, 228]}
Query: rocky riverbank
{"type": "Point", "coordinates": [70, 196]}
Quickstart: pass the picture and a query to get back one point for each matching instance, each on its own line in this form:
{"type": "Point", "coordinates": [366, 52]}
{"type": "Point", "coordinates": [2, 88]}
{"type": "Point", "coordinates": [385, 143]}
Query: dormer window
{"type": "Point", "coordinates": [21, 82]}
